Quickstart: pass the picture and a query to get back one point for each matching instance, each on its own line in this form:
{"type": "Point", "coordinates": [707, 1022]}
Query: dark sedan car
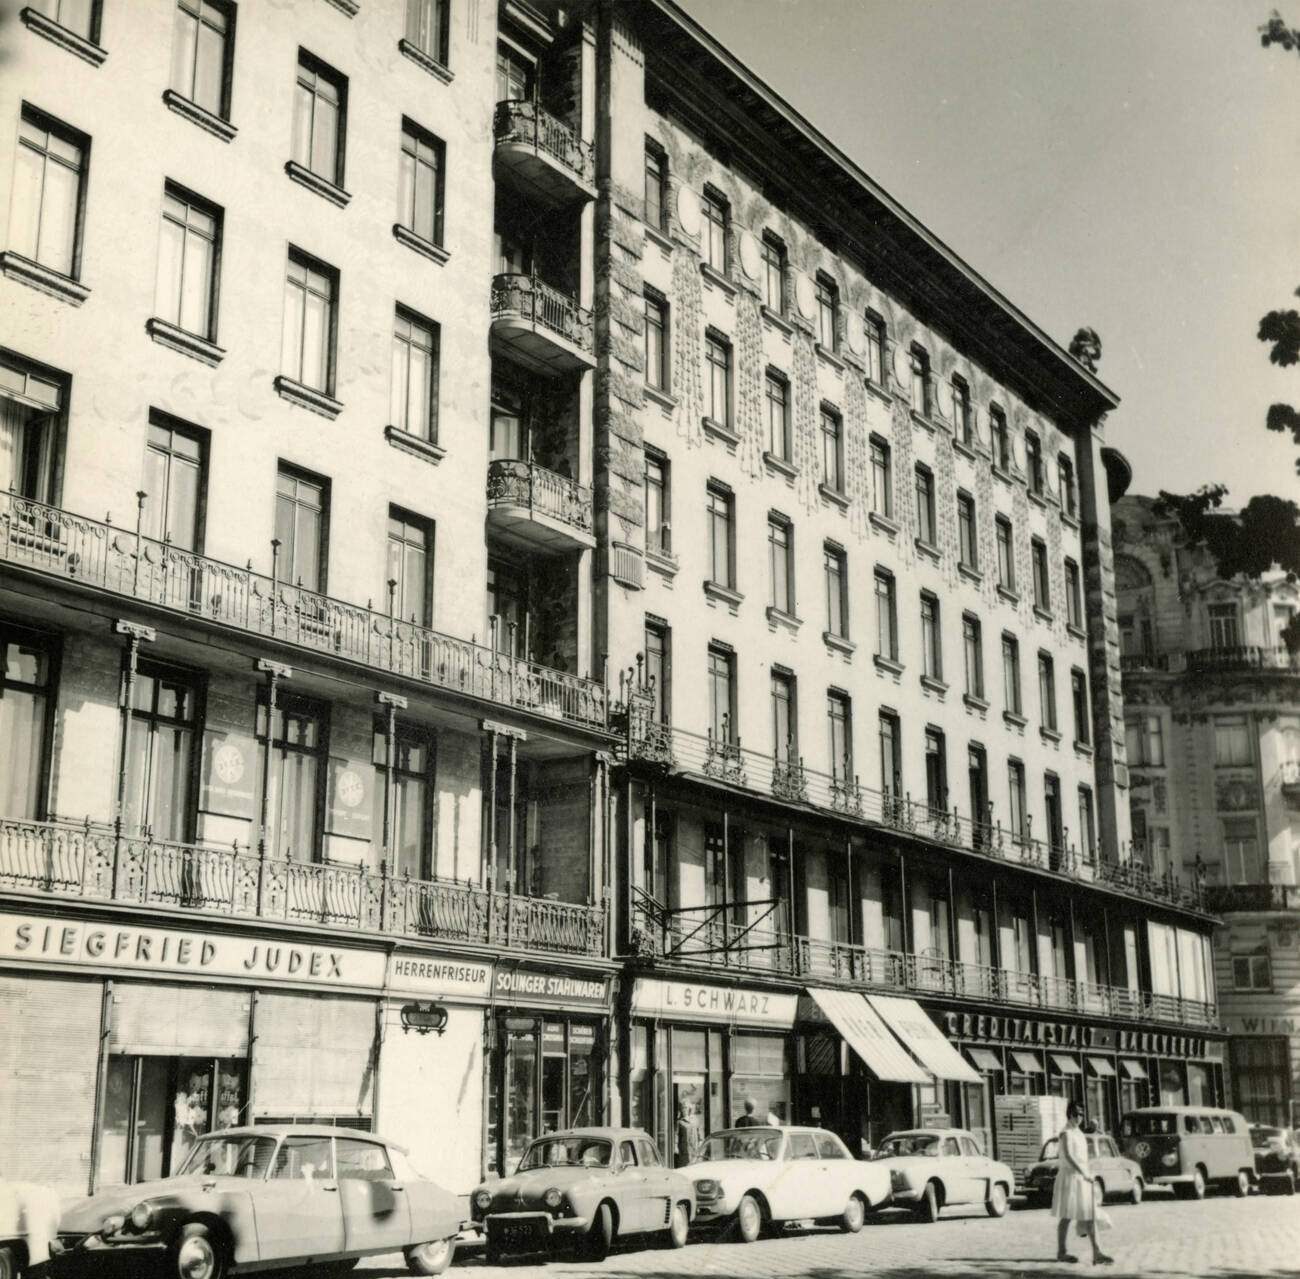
{"type": "Point", "coordinates": [1277, 1158]}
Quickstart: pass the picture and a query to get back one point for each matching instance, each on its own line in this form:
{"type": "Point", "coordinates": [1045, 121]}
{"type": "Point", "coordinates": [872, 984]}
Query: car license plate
{"type": "Point", "coordinates": [520, 1234]}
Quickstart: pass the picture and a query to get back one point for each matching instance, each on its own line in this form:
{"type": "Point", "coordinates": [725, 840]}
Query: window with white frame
{"type": "Point", "coordinates": [1252, 971]}
{"type": "Point", "coordinates": [1241, 855]}
{"type": "Point", "coordinates": [1011, 674]}
{"type": "Point", "coordinates": [420, 180]}
{"type": "Point", "coordinates": [717, 225]}
{"type": "Point", "coordinates": [202, 45]}
{"type": "Point", "coordinates": [886, 616]}
{"type": "Point", "coordinates": [1232, 740]}
{"type": "Point", "coordinates": [717, 353]}
{"type": "Point", "coordinates": [925, 516]}
{"type": "Point", "coordinates": [837, 603]}
{"type": "Point", "coordinates": [1224, 629]}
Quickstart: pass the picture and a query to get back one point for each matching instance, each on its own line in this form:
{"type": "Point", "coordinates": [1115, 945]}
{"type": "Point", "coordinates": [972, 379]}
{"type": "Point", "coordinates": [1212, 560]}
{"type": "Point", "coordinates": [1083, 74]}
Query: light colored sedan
{"type": "Point", "coordinates": [931, 1169]}
{"type": "Point", "coordinates": [751, 1178]}
{"type": "Point", "coordinates": [1114, 1173]}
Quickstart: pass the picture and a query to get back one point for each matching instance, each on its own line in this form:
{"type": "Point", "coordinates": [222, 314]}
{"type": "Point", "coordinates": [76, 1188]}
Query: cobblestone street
{"type": "Point", "coordinates": [1220, 1237]}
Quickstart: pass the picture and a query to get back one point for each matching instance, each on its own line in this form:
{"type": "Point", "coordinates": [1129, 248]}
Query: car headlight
{"type": "Point", "coordinates": [142, 1216]}
{"type": "Point", "coordinates": [112, 1224]}
{"type": "Point", "coordinates": [552, 1199]}
{"type": "Point", "coordinates": [1169, 1159]}
{"type": "Point", "coordinates": [707, 1188]}
{"type": "Point", "coordinates": [482, 1200]}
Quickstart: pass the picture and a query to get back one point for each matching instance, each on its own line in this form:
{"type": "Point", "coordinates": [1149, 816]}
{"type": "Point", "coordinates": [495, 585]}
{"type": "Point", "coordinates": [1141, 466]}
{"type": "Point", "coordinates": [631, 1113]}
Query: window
{"type": "Point", "coordinates": [1016, 795]}
{"type": "Point", "coordinates": [1223, 626]}
{"type": "Point", "coordinates": [717, 225]}
{"type": "Point", "coordinates": [721, 541]}
{"type": "Point", "coordinates": [31, 420]}
{"type": "Point", "coordinates": [1065, 474]}
{"type": "Point", "coordinates": [891, 757]}
{"type": "Point", "coordinates": [921, 388]}
{"type": "Point", "coordinates": [160, 753]}
{"type": "Point", "coordinates": [967, 534]}
{"type": "Point", "coordinates": [722, 694]}
{"type": "Point", "coordinates": [420, 183]}
{"type": "Point", "coordinates": [828, 305]}
{"type": "Point", "coordinates": [773, 273]}
{"type": "Point", "coordinates": [778, 415]}
{"type": "Point", "coordinates": [656, 186]}
{"type": "Point", "coordinates": [202, 41]}
{"type": "Point", "coordinates": [174, 483]}
{"type": "Point", "coordinates": [973, 647]}
{"type": "Point", "coordinates": [1034, 462]}
{"type": "Point", "coordinates": [658, 530]}
{"type": "Point", "coordinates": [882, 487]}
{"type": "Point", "coordinates": [961, 414]}
{"type": "Point", "coordinates": [1241, 860]}
{"type": "Point", "coordinates": [936, 770]}
{"type": "Point", "coordinates": [785, 738]}
{"type": "Point", "coordinates": [301, 527]}
{"type": "Point", "coordinates": [839, 719]}
{"type": "Point", "coordinates": [1087, 825]}
{"type": "Point", "coordinates": [1260, 1070]}
{"type": "Point", "coordinates": [717, 352]}
{"type": "Point", "coordinates": [1042, 587]}
{"type": "Point", "coordinates": [509, 618]}
{"type": "Point", "coordinates": [931, 638]}
{"type": "Point", "coordinates": [1011, 673]}
{"type": "Point", "coordinates": [1232, 740]}
{"type": "Point", "coordinates": [507, 429]}
{"type": "Point", "coordinates": [780, 564]}
{"type": "Point", "coordinates": [835, 563]}
{"type": "Point", "coordinates": [1079, 700]}
{"type": "Point", "coordinates": [413, 403]}
{"type": "Point", "coordinates": [999, 438]}
{"type": "Point", "coordinates": [1055, 824]}
{"type": "Point", "coordinates": [362, 1160]}
{"type": "Point", "coordinates": [925, 522]}
{"type": "Point", "coordinates": [26, 695]}
{"type": "Point", "coordinates": [832, 450]}
{"type": "Point", "coordinates": [410, 566]}
{"type": "Point", "coordinates": [81, 17]}
{"type": "Point", "coordinates": [656, 341]}
{"type": "Point", "coordinates": [1073, 596]}
{"type": "Point", "coordinates": [427, 27]}
{"type": "Point", "coordinates": [1006, 554]}
{"type": "Point", "coordinates": [186, 293]}
{"type": "Point", "coordinates": [1253, 971]}
{"type": "Point", "coordinates": [658, 668]}
{"type": "Point", "coordinates": [410, 830]}
{"type": "Point", "coordinates": [307, 343]}
{"type": "Point", "coordinates": [516, 74]}
{"type": "Point", "coordinates": [296, 776]}
{"type": "Point", "coordinates": [1144, 741]}
{"type": "Point", "coordinates": [1047, 692]}
{"type": "Point", "coordinates": [49, 180]}
{"type": "Point", "coordinates": [886, 616]}
{"type": "Point", "coordinates": [319, 118]}
{"type": "Point", "coordinates": [874, 329]}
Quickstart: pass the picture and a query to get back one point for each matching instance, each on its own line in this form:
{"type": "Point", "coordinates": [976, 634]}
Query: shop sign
{"type": "Point", "coordinates": [1159, 1044]}
{"type": "Point", "coordinates": [350, 799]}
{"type": "Point", "coordinates": [556, 990]}
{"type": "Point", "coordinates": [33, 939]}
{"type": "Point", "coordinates": [1262, 1025]}
{"type": "Point", "coordinates": [229, 774]}
{"type": "Point", "coordinates": [1025, 1030]}
{"type": "Point", "coordinates": [439, 978]}
{"type": "Point", "coordinates": [691, 1001]}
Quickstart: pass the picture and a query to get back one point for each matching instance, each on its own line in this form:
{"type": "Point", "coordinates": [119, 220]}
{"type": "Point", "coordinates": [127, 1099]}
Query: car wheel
{"type": "Point", "coordinates": [928, 1208]}
{"type": "Point", "coordinates": [998, 1201]}
{"type": "Point", "coordinates": [601, 1234]}
{"type": "Point", "coordinates": [749, 1219]}
{"type": "Point", "coordinates": [1288, 1186]}
{"type": "Point", "coordinates": [679, 1226]}
{"type": "Point", "coordinates": [430, 1258]}
{"type": "Point", "coordinates": [1198, 1184]}
{"type": "Point", "coordinates": [197, 1253]}
{"type": "Point", "coordinates": [855, 1214]}
{"type": "Point", "coordinates": [1135, 1195]}
{"type": "Point", "coordinates": [8, 1263]}
{"type": "Point", "coordinates": [1242, 1188]}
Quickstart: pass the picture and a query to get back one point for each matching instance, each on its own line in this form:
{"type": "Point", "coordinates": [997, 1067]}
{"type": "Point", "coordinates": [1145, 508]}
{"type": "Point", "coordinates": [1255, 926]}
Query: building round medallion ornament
{"type": "Point", "coordinates": [688, 210]}
{"type": "Point", "coordinates": [853, 333]}
{"type": "Point", "coordinates": [228, 763]}
{"type": "Point", "coordinates": [805, 296]}
{"type": "Point", "coordinates": [351, 789]}
{"type": "Point", "coordinates": [747, 254]}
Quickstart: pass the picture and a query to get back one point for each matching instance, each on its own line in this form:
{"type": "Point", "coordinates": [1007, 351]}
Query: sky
{"type": "Point", "coordinates": [1131, 165]}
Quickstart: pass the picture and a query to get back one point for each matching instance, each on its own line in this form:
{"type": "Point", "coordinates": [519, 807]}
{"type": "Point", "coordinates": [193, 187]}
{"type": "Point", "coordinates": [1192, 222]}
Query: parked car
{"type": "Point", "coordinates": [584, 1187]}
{"type": "Point", "coordinates": [749, 1178]}
{"type": "Point", "coordinates": [1190, 1148]}
{"type": "Point", "coordinates": [1277, 1157]}
{"type": "Point", "coordinates": [29, 1216]}
{"type": "Point", "coordinates": [1114, 1173]}
{"type": "Point", "coordinates": [931, 1169]}
{"type": "Point", "coordinates": [265, 1197]}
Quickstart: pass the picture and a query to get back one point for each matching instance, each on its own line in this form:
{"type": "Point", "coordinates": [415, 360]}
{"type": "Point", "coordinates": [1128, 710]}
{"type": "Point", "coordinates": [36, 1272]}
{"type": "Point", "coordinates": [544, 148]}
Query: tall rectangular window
{"type": "Point", "coordinates": [785, 738]}
{"type": "Point", "coordinates": [185, 294]}
{"type": "Point", "coordinates": [1224, 632]}
{"type": "Point", "coordinates": [656, 186]}
{"type": "Point", "coordinates": [717, 225]}
{"type": "Point", "coordinates": [780, 564]}
{"type": "Point", "coordinates": [1065, 474]}
{"type": "Point", "coordinates": [874, 330]}
{"type": "Point", "coordinates": [420, 180]}
{"type": "Point", "coordinates": [658, 528]}
{"type": "Point", "coordinates": [717, 351]}
{"type": "Point", "coordinates": [174, 474]}
{"type": "Point", "coordinates": [658, 668]}
{"type": "Point", "coordinates": [1087, 825]}
{"type": "Point", "coordinates": [778, 415]}
{"type": "Point", "coordinates": [921, 387]}
{"type": "Point", "coordinates": [307, 342]}
{"type": "Point", "coordinates": [1042, 582]}
{"type": "Point", "coordinates": [1034, 462]}
{"type": "Point", "coordinates": [891, 755]}
{"type": "Point", "coordinates": [202, 43]}
{"type": "Point", "coordinates": [302, 528]}
{"type": "Point", "coordinates": [722, 555]}
{"type": "Point", "coordinates": [999, 438]}
{"type": "Point", "coordinates": [886, 616]}
{"type": "Point", "coordinates": [81, 17]}
{"type": "Point", "coordinates": [925, 518]}
{"type": "Point", "coordinates": [1073, 596]}
{"type": "Point", "coordinates": [839, 719]}
{"type": "Point", "coordinates": [773, 273]}
{"type": "Point", "coordinates": [835, 563]}
{"type": "Point", "coordinates": [1241, 859]}
{"type": "Point", "coordinates": [961, 414]}
{"type": "Point", "coordinates": [1054, 814]}
{"type": "Point", "coordinates": [410, 566]}
{"type": "Point", "coordinates": [296, 775]}
{"type": "Point", "coordinates": [49, 180]}
{"type": "Point", "coordinates": [160, 753]}
{"type": "Point", "coordinates": [1047, 691]}
{"type": "Point", "coordinates": [931, 638]}
{"type": "Point", "coordinates": [832, 450]}
{"type": "Point", "coordinates": [410, 831]}
{"type": "Point", "coordinates": [882, 486]}
{"type": "Point", "coordinates": [973, 647]}
{"type": "Point", "coordinates": [1019, 814]}
{"type": "Point", "coordinates": [26, 696]}
{"type": "Point", "coordinates": [428, 28]}
{"type": "Point", "coordinates": [319, 118]}
{"type": "Point", "coordinates": [828, 305]}
{"type": "Point", "coordinates": [722, 694]}
{"type": "Point", "coordinates": [1232, 740]}
{"type": "Point", "coordinates": [1144, 741]}
{"type": "Point", "coordinates": [656, 341]}
{"type": "Point", "coordinates": [967, 532]}
{"type": "Point", "coordinates": [413, 404]}
{"type": "Point", "coordinates": [1011, 674]}
{"type": "Point", "coordinates": [1079, 701]}
{"type": "Point", "coordinates": [936, 770]}
{"type": "Point", "coordinates": [1006, 554]}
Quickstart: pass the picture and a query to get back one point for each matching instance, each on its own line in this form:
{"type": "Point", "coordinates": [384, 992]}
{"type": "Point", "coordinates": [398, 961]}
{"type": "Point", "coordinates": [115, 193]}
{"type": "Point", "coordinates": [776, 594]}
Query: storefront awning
{"type": "Point", "coordinates": [912, 1024]}
{"type": "Point", "coordinates": [1028, 1063]}
{"type": "Point", "coordinates": [984, 1059]}
{"type": "Point", "coordinates": [868, 1036]}
{"type": "Point", "coordinates": [1066, 1064]}
{"type": "Point", "coordinates": [1101, 1067]}
{"type": "Point", "coordinates": [1132, 1069]}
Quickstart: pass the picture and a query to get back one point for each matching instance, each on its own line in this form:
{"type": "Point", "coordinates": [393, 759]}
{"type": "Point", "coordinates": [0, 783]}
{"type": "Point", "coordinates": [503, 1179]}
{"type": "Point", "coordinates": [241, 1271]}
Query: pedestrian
{"type": "Point", "coordinates": [1074, 1198]}
{"type": "Point", "coordinates": [748, 1119]}
{"type": "Point", "coordinates": [685, 1135]}
{"type": "Point", "coordinates": [776, 1115]}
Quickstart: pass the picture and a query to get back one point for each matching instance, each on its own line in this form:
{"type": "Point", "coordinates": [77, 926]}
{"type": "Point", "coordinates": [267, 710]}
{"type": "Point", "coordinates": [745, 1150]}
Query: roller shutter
{"type": "Point", "coordinates": [152, 1019]}
{"type": "Point", "coordinates": [49, 1057]}
{"type": "Point", "coordinates": [313, 1055]}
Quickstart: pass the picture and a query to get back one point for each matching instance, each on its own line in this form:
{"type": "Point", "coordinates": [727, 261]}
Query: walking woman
{"type": "Point", "coordinates": [1074, 1198]}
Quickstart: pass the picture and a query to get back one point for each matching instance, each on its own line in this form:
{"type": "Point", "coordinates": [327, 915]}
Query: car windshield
{"type": "Point", "coordinates": [567, 1152]}
{"type": "Point", "coordinates": [743, 1143]}
{"type": "Point", "coordinates": [1149, 1125]}
{"type": "Point", "coordinates": [229, 1157]}
{"type": "Point", "coordinates": [1262, 1135]}
{"type": "Point", "coordinates": [1050, 1148]}
{"type": "Point", "coordinates": [909, 1143]}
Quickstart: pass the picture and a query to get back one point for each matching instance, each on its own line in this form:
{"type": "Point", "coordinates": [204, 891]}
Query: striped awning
{"type": "Point", "coordinates": [868, 1036]}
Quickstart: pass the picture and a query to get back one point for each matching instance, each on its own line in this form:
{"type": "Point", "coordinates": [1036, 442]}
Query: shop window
{"type": "Point", "coordinates": [1259, 1068]}
{"type": "Point", "coordinates": [160, 754]}
{"type": "Point", "coordinates": [759, 1073]}
{"type": "Point", "coordinates": [27, 684]}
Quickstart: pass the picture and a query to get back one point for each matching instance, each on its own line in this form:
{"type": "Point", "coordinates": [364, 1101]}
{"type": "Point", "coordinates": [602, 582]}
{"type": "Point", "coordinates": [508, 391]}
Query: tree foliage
{"type": "Point", "coordinates": [1275, 31]}
{"type": "Point", "coordinates": [1266, 532]}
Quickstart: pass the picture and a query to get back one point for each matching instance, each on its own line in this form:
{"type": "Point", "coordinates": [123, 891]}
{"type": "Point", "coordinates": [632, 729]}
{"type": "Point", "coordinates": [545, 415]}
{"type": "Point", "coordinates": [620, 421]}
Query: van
{"type": "Point", "coordinates": [1190, 1148]}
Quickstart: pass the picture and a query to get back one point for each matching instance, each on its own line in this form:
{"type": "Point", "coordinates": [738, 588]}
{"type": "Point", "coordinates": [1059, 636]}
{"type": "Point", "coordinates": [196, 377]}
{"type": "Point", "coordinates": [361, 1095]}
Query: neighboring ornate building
{"type": "Point", "coordinates": [1212, 713]}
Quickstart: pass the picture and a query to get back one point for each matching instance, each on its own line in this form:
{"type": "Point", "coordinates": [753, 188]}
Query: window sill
{"type": "Point", "coordinates": [1077, 631]}
{"type": "Point", "coordinates": [883, 523]}
{"type": "Point", "coordinates": [934, 685]}
{"type": "Point", "coordinates": [201, 116]}
{"type": "Point", "coordinates": [663, 240]}
{"type": "Point", "coordinates": [720, 432]}
{"type": "Point", "coordinates": [779, 465]}
{"type": "Point", "coordinates": [890, 664]}
{"type": "Point", "coordinates": [1052, 735]}
{"type": "Point", "coordinates": [663, 564]}
{"type": "Point", "coordinates": [37, 23]}
{"type": "Point", "coordinates": [426, 62]}
{"type": "Point", "coordinates": [314, 182]}
{"type": "Point", "coordinates": [43, 278]}
{"type": "Point", "coordinates": [191, 344]}
{"type": "Point", "coordinates": [426, 449]}
{"type": "Point", "coordinates": [1071, 521]}
{"type": "Point", "coordinates": [963, 448]}
{"type": "Point", "coordinates": [777, 321]}
{"type": "Point", "coordinates": [307, 397]}
{"type": "Point", "coordinates": [1006, 593]}
{"type": "Point", "coordinates": [1083, 748]}
{"type": "Point", "coordinates": [970, 573]}
{"type": "Point", "coordinates": [1015, 719]}
{"type": "Point", "coordinates": [714, 276]}
{"type": "Point", "coordinates": [661, 398]}
{"type": "Point", "coordinates": [716, 591]}
{"type": "Point", "coordinates": [975, 703]}
{"type": "Point", "coordinates": [928, 549]}
{"type": "Point", "coordinates": [828, 356]}
{"type": "Point", "coordinates": [1036, 496]}
{"type": "Point", "coordinates": [348, 8]}
{"type": "Point", "coordinates": [1043, 614]}
{"type": "Point", "coordinates": [834, 496]}
{"type": "Point", "coordinates": [922, 421]}
{"type": "Point", "coordinates": [779, 617]}
{"type": "Point", "coordinates": [1000, 473]}
{"type": "Point", "coordinates": [839, 643]}
{"type": "Point", "coordinates": [880, 392]}
{"type": "Point", "coordinates": [426, 248]}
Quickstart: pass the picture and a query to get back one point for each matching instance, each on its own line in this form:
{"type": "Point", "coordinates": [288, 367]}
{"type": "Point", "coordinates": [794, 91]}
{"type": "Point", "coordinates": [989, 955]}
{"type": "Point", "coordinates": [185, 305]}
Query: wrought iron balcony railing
{"type": "Point", "coordinates": [95, 864]}
{"type": "Point", "coordinates": [1229, 897]}
{"type": "Point", "coordinates": [515, 483]}
{"type": "Point", "coordinates": [108, 558]}
{"type": "Point", "coordinates": [1244, 657]}
{"type": "Point", "coordinates": [527, 299]}
{"type": "Point", "coordinates": [520, 121]}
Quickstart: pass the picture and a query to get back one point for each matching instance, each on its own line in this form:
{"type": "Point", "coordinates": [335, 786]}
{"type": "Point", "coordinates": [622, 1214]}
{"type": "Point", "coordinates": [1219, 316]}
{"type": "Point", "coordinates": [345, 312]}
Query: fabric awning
{"type": "Point", "coordinates": [1029, 1063]}
{"type": "Point", "coordinates": [912, 1024]}
{"type": "Point", "coordinates": [868, 1036]}
{"type": "Point", "coordinates": [1066, 1064]}
{"type": "Point", "coordinates": [1101, 1067]}
{"type": "Point", "coordinates": [1132, 1069]}
{"type": "Point", "coordinates": [984, 1059]}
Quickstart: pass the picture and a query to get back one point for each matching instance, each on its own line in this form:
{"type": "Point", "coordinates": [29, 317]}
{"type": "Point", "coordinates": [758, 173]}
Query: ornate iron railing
{"type": "Point", "coordinates": [516, 483]}
{"type": "Point", "coordinates": [1228, 897]}
{"type": "Point", "coordinates": [103, 556]}
{"type": "Point", "coordinates": [519, 120]}
{"type": "Point", "coordinates": [526, 298]}
{"type": "Point", "coordinates": [1246, 657]}
{"type": "Point", "coordinates": [94, 863]}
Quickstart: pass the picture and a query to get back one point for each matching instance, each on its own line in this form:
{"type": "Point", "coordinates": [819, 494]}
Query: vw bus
{"type": "Point", "coordinates": [1190, 1148]}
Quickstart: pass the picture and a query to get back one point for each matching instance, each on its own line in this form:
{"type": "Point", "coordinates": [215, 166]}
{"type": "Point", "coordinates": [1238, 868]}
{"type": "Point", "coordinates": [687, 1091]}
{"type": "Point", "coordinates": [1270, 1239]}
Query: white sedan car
{"type": "Point", "coordinates": [933, 1168]}
{"type": "Point", "coordinates": [752, 1178]}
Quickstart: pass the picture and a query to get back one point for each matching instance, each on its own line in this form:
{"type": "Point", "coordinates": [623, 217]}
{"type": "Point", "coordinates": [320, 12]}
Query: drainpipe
{"type": "Point", "coordinates": [101, 1082]}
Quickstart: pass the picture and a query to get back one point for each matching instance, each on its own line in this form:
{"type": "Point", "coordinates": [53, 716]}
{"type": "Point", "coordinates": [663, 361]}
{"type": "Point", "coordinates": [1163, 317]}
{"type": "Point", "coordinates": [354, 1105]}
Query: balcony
{"type": "Point", "coordinates": [56, 544]}
{"type": "Point", "coordinates": [1243, 658]}
{"type": "Point", "coordinates": [542, 154]}
{"type": "Point", "coordinates": [537, 508]}
{"type": "Point", "coordinates": [1136, 663]}
{"type": "Point", "coordinates": [789, 781]}
{"type": "Point", "coordinates": [1288, 777]}
{"type": "Point", "coordinates": [542, 325]}
{"type": "Point", "coordinates": [1224, 898]}
{"type": "Point", "coordinates": [91, 864]}
{"type": "Point", "coordinates": [704, 936]}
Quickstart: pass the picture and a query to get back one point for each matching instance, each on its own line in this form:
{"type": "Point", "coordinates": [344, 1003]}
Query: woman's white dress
{"type": "Point", "coordinates": [1072, 1199]}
